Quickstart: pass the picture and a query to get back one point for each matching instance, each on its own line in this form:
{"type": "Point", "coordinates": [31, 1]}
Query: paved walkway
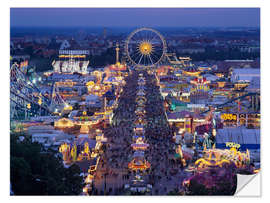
{"type": "Point", "coordinates": [165, 174]}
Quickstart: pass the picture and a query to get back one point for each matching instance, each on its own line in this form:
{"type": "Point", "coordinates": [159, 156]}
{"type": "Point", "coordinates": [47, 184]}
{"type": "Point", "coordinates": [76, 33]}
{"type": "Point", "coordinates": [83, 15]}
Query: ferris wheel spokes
{"type": "Point", "coordinates": [145, 47]}
{"type": "Point", "coordinates": [150, 59]}
{"type": "Point", "coordinates": [140, 59]}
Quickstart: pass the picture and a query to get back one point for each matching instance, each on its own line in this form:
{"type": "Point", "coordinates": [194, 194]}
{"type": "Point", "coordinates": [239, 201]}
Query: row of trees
{"type": "Point", "coordinates": [36, 172]}
{"type": "Point", "coordinates": [213, 54]}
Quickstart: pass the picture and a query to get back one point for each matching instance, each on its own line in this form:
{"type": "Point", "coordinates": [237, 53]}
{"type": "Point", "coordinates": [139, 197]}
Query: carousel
{"type": "Point", "coordinates": [88, 121]}
{"type": "Point", "coordinates": [63, 123]}
{"type": "Point", "coordinates": [139, 145]}
{"type": "Point", "coordinates": [138, 163]}
{"type": "Point", "coordinates": [97, 88]}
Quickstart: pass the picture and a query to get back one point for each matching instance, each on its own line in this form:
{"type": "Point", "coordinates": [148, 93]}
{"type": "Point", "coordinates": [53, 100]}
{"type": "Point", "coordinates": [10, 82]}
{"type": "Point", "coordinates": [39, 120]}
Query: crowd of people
{"type": "Point", "coordinates": [113, 173]}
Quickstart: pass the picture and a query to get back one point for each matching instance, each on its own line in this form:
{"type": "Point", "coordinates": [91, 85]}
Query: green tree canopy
{"type": "Point", "coordinates": [35, 172]}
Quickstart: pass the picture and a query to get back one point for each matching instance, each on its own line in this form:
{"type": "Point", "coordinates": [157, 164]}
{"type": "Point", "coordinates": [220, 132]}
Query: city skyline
{"type": "Point", "coordinates": [139, 17]}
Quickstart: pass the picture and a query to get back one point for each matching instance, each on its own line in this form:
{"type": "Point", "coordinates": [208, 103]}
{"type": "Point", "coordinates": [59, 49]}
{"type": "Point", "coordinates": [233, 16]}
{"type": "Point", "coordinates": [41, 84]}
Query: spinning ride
{"type": "Point", "coordinates": [217, 158]}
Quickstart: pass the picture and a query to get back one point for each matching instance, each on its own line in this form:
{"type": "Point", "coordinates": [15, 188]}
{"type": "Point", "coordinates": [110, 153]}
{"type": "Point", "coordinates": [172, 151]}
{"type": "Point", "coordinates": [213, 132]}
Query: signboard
{"type": "Point", "coordinates": [232, 144]}
{"type": "Point", "coordinates": [71, 56]}
{"type": "Point", "coordinates": [74, 52]}
{"type": "Point", "coordinates": [196, 105]}
{"type": "Point", "coordinates": [228, 116]}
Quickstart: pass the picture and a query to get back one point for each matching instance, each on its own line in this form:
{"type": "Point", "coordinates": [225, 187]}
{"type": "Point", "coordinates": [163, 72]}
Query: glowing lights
{"type": "Point", "coordinates": [139, 145]}
{"type": "Point", "coordinates": [227, 116]}
{"type": "Point", "coordinates": [65, 149]}
{"type": "Point", "coordinates": [64, 123]}
{"type": "Point", "coordinates": [90, 83]}
{"type": "Point", "coordinates": [145, 47]}
{"type": "Point", "coordinates": [40, 101]}
{"type": "Point", "coordinates": [68, 107]}
{"type": "Point", "coordinates": [97, 87]}
{"type": "Point", "coordinates": [232, 144]}
{"type": "Point", "coordinates": [85, 189]}
{"type": "Point", "coordinates": [140, 50]}
{"type": "Point", "coordinates": [190, 73]}
{"type": "Point", "coordinates": [89, 179]}
{"type": "Point", "coordinates": [218, 157]}
{"type": "Point", "coordinates": [84, 129]}
{"type": "Point", "coordinates": [72, 56]}
{"type": "Point", "coordinates": [203, 163]}
{"type": "Point", "coordinates": [138, 164]}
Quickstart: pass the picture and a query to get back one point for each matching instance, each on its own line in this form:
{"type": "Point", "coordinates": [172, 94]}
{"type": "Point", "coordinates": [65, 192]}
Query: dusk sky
{"type": "Point", "coordinates": [109, 17]}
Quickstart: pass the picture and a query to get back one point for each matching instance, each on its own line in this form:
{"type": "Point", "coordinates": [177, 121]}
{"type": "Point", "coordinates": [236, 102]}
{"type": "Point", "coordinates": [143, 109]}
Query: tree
{"type": "Point", "coordinates": [36, 172]}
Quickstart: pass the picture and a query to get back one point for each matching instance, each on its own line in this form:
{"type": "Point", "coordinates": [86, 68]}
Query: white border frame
{"type": "Point", "coordinates": [265, 68]}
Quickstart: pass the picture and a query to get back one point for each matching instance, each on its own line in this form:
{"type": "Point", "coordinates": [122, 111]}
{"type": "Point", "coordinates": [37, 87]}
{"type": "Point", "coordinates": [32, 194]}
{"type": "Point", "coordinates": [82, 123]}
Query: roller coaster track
{"type": "Point", "coordinates": [25, 96]}
{"type": "Point", "coordinates": [26, 99]}
{"type": "Point", "coordinates": [173, 59]}
{"type": "Point", "coordinates": [56, 98]}
{"type": "Point", "coordinates": [232, 100]}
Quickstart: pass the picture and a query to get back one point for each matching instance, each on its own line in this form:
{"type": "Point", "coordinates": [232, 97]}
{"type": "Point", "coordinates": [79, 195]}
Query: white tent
{"type": "Point", "coordinates": [238, 135]}
{"type": "Point", "coordinates": [91, 98]}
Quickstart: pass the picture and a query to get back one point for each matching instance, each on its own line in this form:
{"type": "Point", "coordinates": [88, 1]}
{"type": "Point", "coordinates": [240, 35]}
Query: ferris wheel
{"type": "Point", "coordinates": [145, 47]}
